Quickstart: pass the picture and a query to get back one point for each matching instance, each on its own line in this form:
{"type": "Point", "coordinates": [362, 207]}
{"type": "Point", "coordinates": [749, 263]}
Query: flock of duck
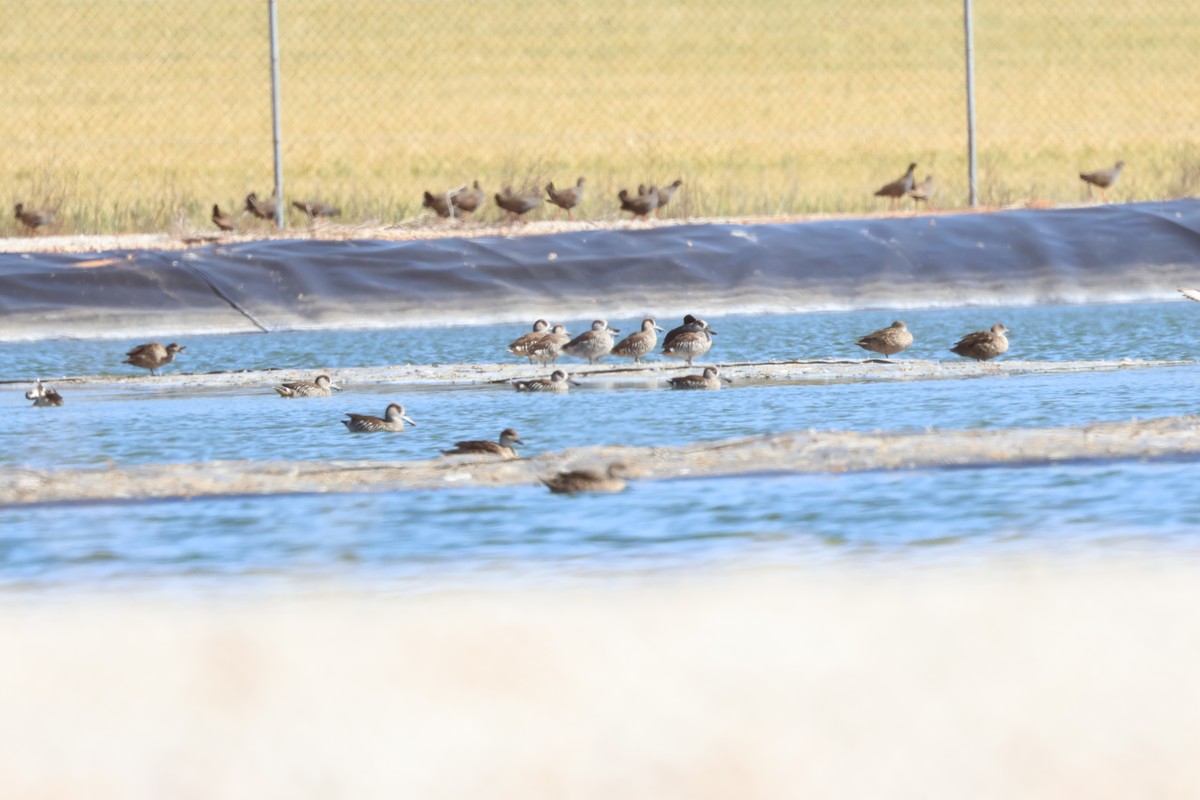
{"type": "Point", "coordinates": [544, 345]}
{"type": "Point", "coordinates": [465, 200]}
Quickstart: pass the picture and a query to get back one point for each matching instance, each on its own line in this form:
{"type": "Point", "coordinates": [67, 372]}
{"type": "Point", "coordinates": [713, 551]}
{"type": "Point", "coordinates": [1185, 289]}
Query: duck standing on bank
{"type": "Point", "coordinates": [983, 345]}
{"type": "Point", "coordinates": [639, 343]}
{"type": "Point", "coordinates": [689, 341]}
{"type": "Point", "coordinates": [888, 341]}
{"type": "Point", "coordinates": [567, 198]}
{"type": "Point", "coordinates": [1102, 178]}
{"type": "Point", "coordinates": [594, 344]}
{"type": "Point", "coordinates": [898, 188]}
{"type": "Point", "coordinates": [153, 356]}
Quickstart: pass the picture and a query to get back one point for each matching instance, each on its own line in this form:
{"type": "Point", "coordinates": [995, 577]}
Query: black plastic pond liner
{"type": "Point", "coordinates": [1080, 255]}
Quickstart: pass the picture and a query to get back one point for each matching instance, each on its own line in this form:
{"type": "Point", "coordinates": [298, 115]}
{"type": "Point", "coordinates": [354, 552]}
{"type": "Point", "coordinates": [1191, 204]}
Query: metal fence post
{"type": "Point", "coordinates": [275, 114]}
{"type": "Point", "coordinates": [971, 178]}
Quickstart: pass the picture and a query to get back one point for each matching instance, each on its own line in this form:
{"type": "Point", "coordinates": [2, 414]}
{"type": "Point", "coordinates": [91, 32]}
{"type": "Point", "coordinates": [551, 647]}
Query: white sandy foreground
{"type": "Point", "coordinates": [1016, 681]}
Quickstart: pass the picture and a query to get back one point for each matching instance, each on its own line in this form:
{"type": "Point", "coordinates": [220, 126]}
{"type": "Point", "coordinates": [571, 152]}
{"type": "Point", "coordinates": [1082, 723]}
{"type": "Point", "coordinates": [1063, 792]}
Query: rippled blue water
{"type": "Point", "coordinates": [409, 537]}
{"type": "Point", "coordinates": [407, 540]}
{"type": "Point", "coordinates": [1044, 333]}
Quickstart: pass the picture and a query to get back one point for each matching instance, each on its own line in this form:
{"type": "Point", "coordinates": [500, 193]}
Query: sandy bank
{"type": "Point", "coordinates": [798, 452]}
{"type": "Point", "coordinates": [599, 375]}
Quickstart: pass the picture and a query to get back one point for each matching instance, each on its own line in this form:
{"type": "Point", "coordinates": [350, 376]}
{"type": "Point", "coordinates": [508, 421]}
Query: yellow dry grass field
{"type": "Point", "coordinates": [134, 116]}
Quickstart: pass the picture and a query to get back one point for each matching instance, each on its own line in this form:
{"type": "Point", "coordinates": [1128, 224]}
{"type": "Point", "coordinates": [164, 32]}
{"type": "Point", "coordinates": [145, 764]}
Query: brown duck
{"type": "Point", "coordinates": [923, 191]}
{"type": "Point", "coordinates": [520, 346]}
{"type": "Point", "coordinates": [889, 340]}
{"type": "Point", "coordinates": [225, 222]}
{"type": "Point", "coordinates": [549, 348]}
{"type": "Point", "coordinates": [558, 381]}
{"type": "Point", "coordinates": [393, 420]}
{"type": "Point", "coordinates": [33, 219]}
{"type": "Point", "coordinates": [575, 481]}
{"type": "Point", "coordinates": [689, 341]}
{"type": "Point", "coordinates": [316, 208]}
{"type": "Point", "coordinates": [263, 209]}
{"type": "Point", "coordinates": [153, 356]}
{"type": "Point", "coordinates": [321, 386]}
{"type": "Point", "coordinates": [1102, 178]}
{"type": "Point", "coordinates": [899, 187]}
{"type": "Point", "coordinates": [983, 345]}
{"type": "Point", "coordinates": [438, 202]}
{"type": "Point", "coordinates": [468, 201]}
{"type": "Point", "coordinates": [639, 343]}
{"type": "Point", "coordinates": [517, 204]}
{"type": "Point", "coordinates": [665, 195]}
{"type": "Point", "coordinates": [567, 198]}
{"type": "Point", "coordinates": [640, 205]}
{"type": "Point", "coordinates": [504, 448]}
{"type": "Point", "coordinates": [711, 379]}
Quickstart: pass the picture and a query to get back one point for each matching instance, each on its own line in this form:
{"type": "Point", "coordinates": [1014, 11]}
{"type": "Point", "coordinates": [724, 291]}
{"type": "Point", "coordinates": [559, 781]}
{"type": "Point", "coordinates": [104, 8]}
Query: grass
{"type": "Point", "coordinates": [139, 115]}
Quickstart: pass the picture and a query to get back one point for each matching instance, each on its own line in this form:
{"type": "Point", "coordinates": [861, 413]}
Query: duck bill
{"type": "Point", "coordinates": [660, 330]}
{"type": "Point", "coordinates": [335, 387]}
{"type": "Point", "coordinates": [727, 380]}
{"type": "Point", "coordinates": [409, 421]}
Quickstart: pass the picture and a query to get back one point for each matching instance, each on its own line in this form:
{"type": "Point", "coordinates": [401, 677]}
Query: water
{"type": "Point", "coordinates": [407, 540]}
{"type": "Point", "coordinates": [1041, 333]}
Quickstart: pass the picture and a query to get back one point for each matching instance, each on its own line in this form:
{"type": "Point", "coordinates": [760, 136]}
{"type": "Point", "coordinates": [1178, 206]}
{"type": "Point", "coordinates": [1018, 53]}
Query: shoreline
{"type": "Point", "coordinates": [796, 452]}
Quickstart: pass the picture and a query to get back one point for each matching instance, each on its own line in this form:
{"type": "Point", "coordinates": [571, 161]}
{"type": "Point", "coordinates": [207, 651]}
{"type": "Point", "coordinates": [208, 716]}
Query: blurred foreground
{"type": "Point", "coordinates": [1024, 680]}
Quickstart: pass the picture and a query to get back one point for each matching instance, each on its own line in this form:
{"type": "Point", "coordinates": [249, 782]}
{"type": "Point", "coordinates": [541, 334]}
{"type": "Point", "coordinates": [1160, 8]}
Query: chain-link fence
{"type": "Point", "coordinates": [141, 114]}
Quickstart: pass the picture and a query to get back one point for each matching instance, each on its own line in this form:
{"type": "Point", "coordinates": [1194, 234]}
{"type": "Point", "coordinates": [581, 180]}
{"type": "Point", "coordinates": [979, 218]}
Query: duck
{"type": "Point", "coordinates": [437, 202]}
{"type": "Point", "coordinates": [711, 379]}
{"type": "Point", "coordinates": [225, 222]}
{"type": "Point", "coordinates": [517, 204]}
{"type": "Point", "coordinates": [153, 356]}
{"type": "Point", "coordinates": [567, 198]}
{"type": "Point", "coordinates": [263, 209]}
{"type": "Point", "coordinates": [32, 218]}
{"type": "Point", "coordinates": [503, 448]}
{"type": "Point", "coordinates": [558, 381]}
{"type": "Point", "coordinates": [593, 344]}
{"type": "Point", "coordinates": [576, 481]}
{"type": "Point", "coordinates": [316, 208]}
{"type": "Point", "coordinates": [690, 340]}
{"type": "Point", "coordinates": [520, 346]}
{"type": "Point", "coordinates": [898, 188]}
{"type": "Point", "coordinates": [639, 343]}
{"type": "Point", "coordinates": [549, 349]}
{"type": "Point", "coordinates": [665, 195]}
{"type": "Point", "coordinates": [468, 201]}
{"type": "Point", "coordinates": [43, 396]}
{"type": "Point", "coordinates": [641, 204]}
{"type": "Point", "coordinates": [923, 191]}
{"type": "Point", "coordinates": [889, 340]}
{"type": "Point", "coordinates": [321, 386]}
{"type": "Point", "coordinates": [983, 345]}
{"type": "Point", "coordinates": [1102, 178]}
{"type": "Point", "coordinates": [393, 420]}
